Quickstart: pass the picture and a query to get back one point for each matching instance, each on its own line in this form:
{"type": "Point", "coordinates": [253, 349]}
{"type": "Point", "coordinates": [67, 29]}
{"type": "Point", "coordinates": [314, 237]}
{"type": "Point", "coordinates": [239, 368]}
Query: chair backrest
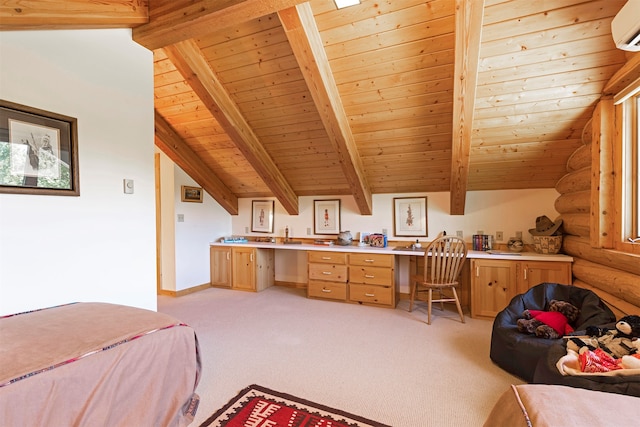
{"type": "Point", "coordinates": [444, 259]}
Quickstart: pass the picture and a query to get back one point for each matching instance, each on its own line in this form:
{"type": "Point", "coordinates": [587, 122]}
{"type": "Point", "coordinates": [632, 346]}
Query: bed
{"type": "Point", "coordinates": [97, 364]}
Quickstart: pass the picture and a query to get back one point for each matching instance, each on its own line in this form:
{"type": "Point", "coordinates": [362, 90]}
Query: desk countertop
{"type": "Point", "coordinates": [398, 250]}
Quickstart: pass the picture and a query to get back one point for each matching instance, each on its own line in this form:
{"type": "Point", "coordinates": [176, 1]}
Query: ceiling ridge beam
{"type": "Point", "coordinates": [301, 30]}
{"type": "Point", "coordinates": [468, 33]}
{"type": "Point", "coordinates": [193, 19]}
{"type": "Point", "coordinates": [168, 140]}
{"type": "Point", "coordinates": [189, 60]}
{"type": "Point", "coordinates": [51, 15]}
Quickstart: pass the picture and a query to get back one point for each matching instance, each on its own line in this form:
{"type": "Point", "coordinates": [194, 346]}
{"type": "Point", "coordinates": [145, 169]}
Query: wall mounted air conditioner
{"type": "Point", "coordinates": [625, 27]}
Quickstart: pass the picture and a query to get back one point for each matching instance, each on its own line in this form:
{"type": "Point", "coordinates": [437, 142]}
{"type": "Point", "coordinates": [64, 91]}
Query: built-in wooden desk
{"type": "Point", "coordinates": [488, 280]}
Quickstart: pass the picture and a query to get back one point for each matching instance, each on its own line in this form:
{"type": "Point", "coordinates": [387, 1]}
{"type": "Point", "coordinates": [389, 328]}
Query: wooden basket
{"type": "Point", "coordinates": [547, 244]}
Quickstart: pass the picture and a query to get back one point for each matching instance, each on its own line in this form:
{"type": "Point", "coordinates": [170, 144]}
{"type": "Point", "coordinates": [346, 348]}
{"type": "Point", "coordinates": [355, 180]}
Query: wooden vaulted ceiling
{"type": "Point", "coordinates": [287, 98]}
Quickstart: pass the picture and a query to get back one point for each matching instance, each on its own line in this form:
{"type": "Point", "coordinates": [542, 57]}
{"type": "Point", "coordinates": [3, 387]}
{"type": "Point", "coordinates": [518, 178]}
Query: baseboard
{"type": "Point", "coordinates": [184, 292]}
{"type": "Point", "coordinates": [294, 285]}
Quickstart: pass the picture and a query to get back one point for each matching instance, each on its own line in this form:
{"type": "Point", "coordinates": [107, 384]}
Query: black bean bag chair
{"type": "Point", "coordinates": [518, 353]}
{"type": "Point", "coordinates": [546, 372]}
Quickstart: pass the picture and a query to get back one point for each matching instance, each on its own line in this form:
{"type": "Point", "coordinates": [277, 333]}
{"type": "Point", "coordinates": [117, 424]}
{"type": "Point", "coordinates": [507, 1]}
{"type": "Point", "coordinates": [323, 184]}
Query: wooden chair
{"type": "Point", "coordinates": [443, 262]}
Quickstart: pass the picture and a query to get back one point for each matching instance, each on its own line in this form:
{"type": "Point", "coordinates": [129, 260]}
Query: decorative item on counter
{"type": "Point", "coordinates": [547, 236]}
{"type": "Point", "coordinates": [234, 239]}
{"type": "Point", "coordinates": [344, 238]}
{"type": "Point", "coordinates": [417, 244]}
{"type": "Point", "coordinates": [515, 244]}
{"type": "Point", "coordinates": [286, 233]}
{"type": "Point", "coordinates": [378, 240]}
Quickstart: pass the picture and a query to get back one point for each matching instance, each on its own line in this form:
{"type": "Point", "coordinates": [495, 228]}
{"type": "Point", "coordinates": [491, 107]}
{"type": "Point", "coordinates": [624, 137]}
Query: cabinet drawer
{"type": "Point", "coordinates": [327, 290]}
{"type": "Point", "coordinates": [371, 275]}
{"type": "Point", "coordinates": [382, 295]}
{"type": "Point", "coordinates": [377, 260]}
{"type": "Point", "coordinates": [328, 272]}
{"type": "Point", "coordinates": [327, 257]}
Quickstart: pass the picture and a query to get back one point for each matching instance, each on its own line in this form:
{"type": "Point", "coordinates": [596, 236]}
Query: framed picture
{"type": "Point", "coordinates": [38, 151]}
{"type": "Point", "coordinates": [262, 216]}
{"type": "Point", "coordinates": [191, 194]}
{"type": "Point", "coordinates": [410, 216]}
{"type": "Point", "coordinates": [326, 216]}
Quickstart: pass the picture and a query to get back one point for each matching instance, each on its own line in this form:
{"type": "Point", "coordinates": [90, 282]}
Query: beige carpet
{"type": "Point", "coordinates": [383, 364]}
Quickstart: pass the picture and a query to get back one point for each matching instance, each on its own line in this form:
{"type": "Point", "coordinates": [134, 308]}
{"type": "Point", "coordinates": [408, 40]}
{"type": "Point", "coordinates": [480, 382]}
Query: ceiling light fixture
{"type": "Point", "coordinates": [345, 3]}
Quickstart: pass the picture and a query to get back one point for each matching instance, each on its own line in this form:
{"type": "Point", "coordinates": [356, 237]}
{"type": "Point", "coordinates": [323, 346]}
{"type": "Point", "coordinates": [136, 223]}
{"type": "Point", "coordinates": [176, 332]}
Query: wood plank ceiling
{"type": "Point", "coordinates": [285, 98]}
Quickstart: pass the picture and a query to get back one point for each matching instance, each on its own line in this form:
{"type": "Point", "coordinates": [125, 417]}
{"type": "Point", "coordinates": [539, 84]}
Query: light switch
{"type": "Point", "coordinates": [180, 217]}
{"type": "Point", "coordinates": [128, 186]}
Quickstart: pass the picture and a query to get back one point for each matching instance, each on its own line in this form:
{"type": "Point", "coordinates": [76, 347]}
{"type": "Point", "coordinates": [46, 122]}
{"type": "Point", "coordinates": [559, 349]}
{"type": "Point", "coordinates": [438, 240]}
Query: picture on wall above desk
{"type": "Point", "coordinates": [38, 151]}
{"type": "Point", "coordinates": [326, 216]}
{"type": "Point", "coordinates": [410, 216]}
{"type": "Point", "coordinates": [262, 216]}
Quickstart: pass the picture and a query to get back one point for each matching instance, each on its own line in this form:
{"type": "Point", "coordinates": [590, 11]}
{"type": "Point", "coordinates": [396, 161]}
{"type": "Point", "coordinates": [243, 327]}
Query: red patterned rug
{"type": "Point", "coordinates": [259, 406]}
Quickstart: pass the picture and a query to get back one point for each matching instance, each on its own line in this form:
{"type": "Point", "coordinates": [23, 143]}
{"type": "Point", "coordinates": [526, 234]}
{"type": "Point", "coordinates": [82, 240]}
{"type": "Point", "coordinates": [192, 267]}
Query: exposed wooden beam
{"type": "Point", "coordinates": [304, 38]}
{"type": "Point", "coordinates": [626, 75]}
{"type": "Point", "coordinates": [469, 14]}
{"type": "Point", "coordinates": [72, 14]}
{"type": "Point", "coordinates": [173, 146]}
{"type": "Point", "coordinates": [189, 60]}
{"type": "Point", "coordinates": [187, 19]}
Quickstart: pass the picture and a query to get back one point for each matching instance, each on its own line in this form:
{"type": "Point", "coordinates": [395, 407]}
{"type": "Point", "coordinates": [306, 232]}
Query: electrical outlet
{"type": "Point", "coordinates": [246, 230]}
{"type": "Point", "coordinates": [180, 217]}
{"type": "Point", "coordinates": [459, 233]}
{"type": "Point", "coordinates": [519, 234]}
{"type": "Point", "coordinates": [480, 231]}
{"type": "Point", "coordinates": [384, 231]}
{"type": "Point", "coordinates": [308, 231]}
{"type": "Point", "coordinates": [499, 236]}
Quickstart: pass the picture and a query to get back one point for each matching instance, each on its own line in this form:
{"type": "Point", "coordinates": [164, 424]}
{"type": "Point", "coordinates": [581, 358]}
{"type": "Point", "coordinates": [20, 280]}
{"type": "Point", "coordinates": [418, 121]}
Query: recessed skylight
{"type": "Point", "coordinates": [345, 3]}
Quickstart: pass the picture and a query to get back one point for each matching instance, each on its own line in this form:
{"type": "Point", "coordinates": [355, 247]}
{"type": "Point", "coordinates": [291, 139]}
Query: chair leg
{"type": "Point", "coordinates": [429, 302]}
{"type": "Point", "coordinates": [412, 296]}
{"type": "Point", "coordinates": [441, 298]}
{"type": "Point", "coordinates": [455, 295]}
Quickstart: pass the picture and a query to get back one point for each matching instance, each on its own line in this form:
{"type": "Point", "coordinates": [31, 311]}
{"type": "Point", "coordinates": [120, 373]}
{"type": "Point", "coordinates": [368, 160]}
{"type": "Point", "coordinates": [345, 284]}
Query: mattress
{"type": "Point", "coordinates": [97, 364]}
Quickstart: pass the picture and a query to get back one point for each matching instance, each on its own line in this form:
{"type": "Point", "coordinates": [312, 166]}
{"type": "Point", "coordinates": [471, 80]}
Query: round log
{"type": "Point", "coordinates": [576, 224]}
{"type": "Point", "coordinates": [576, 202]}
{"type": "Point", "coordinates": [581, 158]}
{"type": "Point", "coordinates": [587, 132]}
{"type": "Point", "coordinates": [620, 284]}
{"type": "Point", "coordinates": [618, 306]}
{"type": "Point", "coordinates": [579, 180]}
{"type": "Point", "coordinates": [580, 248]}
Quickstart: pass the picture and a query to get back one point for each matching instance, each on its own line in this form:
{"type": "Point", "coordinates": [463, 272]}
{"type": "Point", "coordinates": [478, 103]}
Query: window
{"type": "Point", "coordinates": [629, 100]}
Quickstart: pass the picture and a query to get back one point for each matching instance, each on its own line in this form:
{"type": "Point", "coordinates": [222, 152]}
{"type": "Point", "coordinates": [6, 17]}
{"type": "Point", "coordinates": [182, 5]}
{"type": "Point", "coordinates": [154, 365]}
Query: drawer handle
{"type": "Point", "coordinates": [325, 290]}
{"type": "Point", "coordinates": [326, 257]}
{"type": "Point", "coordinates": [326, 273]}
{"type": "Point", "coordinates": [369, 276]}
{"type": "Point", "coordinates": [369, 260]}
{"type": "Point", "coordinates": [369, 295]}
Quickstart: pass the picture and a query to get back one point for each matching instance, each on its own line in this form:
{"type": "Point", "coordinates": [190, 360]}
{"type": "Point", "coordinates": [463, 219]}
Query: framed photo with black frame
{"type": "Point", "coordinates": [38, 151]}
{"type": "Point", "coordinates": [262, 216]}
{"type": "Point", "coordinates": [410, 216]}
{"type": "Point", "coordinates": [326, 216]}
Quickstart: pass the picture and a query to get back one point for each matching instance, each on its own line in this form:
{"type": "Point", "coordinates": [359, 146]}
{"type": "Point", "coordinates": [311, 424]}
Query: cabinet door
{"type": "Point", "coordinates": [244, 269]}
{"type": "Point", "coordinates": [535, 272]}
{"type": "Point", "coordinates": [492, 286]}
{"type": "Point", "coordinates": [220, 265]}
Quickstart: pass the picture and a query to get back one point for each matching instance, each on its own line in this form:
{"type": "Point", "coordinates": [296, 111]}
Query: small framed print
{"type": "Point", "coordinates": [191, 194]}
{"type": "Point", "coordinates": [410, 216]}
{"type": "Point", "coordinates": [262, 216]}
{"type": "Point", "coordinates": [326, 216]}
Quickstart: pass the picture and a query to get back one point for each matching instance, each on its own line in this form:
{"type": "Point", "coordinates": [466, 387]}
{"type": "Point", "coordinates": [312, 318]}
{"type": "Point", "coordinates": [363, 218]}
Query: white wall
{"type": "Point", "coordinates": [99, 246]}
{"type": "Point", "coordinates": [203, 223]}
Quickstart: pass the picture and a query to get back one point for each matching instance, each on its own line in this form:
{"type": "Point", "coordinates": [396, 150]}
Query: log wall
{"type": "Point", "coordinates": [613, 275]}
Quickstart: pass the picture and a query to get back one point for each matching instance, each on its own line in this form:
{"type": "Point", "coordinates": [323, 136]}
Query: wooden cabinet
{"type": "Point", "coordinates": [353, 277]}
{"type": "Point", "coordinates": [327, 272]}
{"type": "Point", "coordinates": [495, 282]}
{"type": "Point", "coordinates": [220, 266]}
{"type": "Point", "coordinates": [242, 268]}
{"type": "Point", "coordinates": [372, 279]}
{"type": "Point", "coordinates": [252, 268]}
